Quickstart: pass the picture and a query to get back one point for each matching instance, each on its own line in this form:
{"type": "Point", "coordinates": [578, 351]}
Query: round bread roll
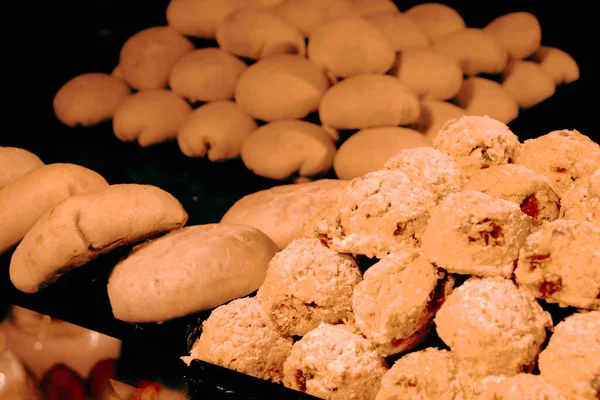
{"type": "Point", "coordinates": [373, 7]}
{"type": "Point", "coordinates": [217, 129]}
{"type": "Point", "coordinates": [369, 100]}
{"type": "Point", "coordinates": [147, 57]}
{"type": "Point", "coordinates": [559, 65]}
{"type": "Point", "coordinates": [208, 74]}
{"type": "Point", "coordinates": [481, 96]}
{"type": "Point", "coordinates": [350, 45]}
{"type": "Point", "coordinates": [283, 86]}
{"type": "Point", "coordinates": [519, 33]}
{"type": "Point", "coordinates": [255, 34]}
{"type": "Point", "coordinates": [369, 149]}
{"type": "Point", "coordinates": [185, 272]}
{"type": "Point", "coordinates": [282, 211]}
{"type": "Point", "coordinates": [434, 115]}
{"type": "Point", "coordinates": [430, 74]}
{"type": "Point", "coordinates": [437, 20]}
{"type": "Point", "coordinates": [15, 162]}
{"type": "Point", "coordinates": [306, 15]}
{"type": "Point", "coordinates": [401, 31]}
{"type": "Point", "coordinates": [91, 224]}
{"type": "Point", "coordinates": [201, 18]}
{"type": "Point", "coordinates": [89, 99]}
{"type": "Point", "coordinates": [527, 83]}
{"type": "Point", "coordinates": [24, 201]}
{"type": "Point", "coordinates": [150, 116]}
{"type": "Point", "coordinates": [280, 149]}
{"type": "Point", "coordinates": [475, 51]}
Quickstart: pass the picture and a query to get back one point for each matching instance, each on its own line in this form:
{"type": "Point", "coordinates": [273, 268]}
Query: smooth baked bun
{"type": "Point", "coordinates": [481, 96]}
{"type": "Point", "coordinates": [89, 225]}
{"type": "Point", "coordinates": [24, 201]}
{"type": "Point", "coordinates": [281, 211]}
{"type": "Point", "coordinates": [189, 270]}
{"type": "Point", "coordinates": [15, 162]}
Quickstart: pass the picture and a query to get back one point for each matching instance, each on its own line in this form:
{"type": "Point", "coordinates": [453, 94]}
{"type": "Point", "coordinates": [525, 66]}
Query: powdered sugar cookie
{"type": "Point", "coordinates": [521, 386]}
{"type": "Point", "coordinates": [581, 202]}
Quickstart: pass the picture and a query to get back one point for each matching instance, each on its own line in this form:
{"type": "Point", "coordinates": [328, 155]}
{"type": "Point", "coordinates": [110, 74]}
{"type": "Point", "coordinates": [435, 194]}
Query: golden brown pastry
{"type": "Point", "coordinates": [306, 15]}
{"type": "Point", "coordinates": [15, 162]}
{"type": "Point", "coordinates": [437, 20]}
{"type": "Point", "coordinates": [558, 64]}
{"type": "Point", "coordinates": [481, 96]}
{"type": "Point", "coordinates": [519, 33]}
{"type": "Point", "coordinates": [402, 32]}
{"type": "Point", "coordinates": [527, 83]}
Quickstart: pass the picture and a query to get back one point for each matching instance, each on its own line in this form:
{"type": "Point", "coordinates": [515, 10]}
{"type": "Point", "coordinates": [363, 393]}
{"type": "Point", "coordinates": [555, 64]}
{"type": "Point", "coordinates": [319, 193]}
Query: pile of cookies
{"type": "Point", "coordinates": [286, 82]}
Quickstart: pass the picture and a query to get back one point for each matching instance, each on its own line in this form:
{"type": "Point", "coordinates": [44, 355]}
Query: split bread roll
{"type": "Point", "coordinates": [84, 226]}
{"type": "Point", "coordinates": [189, 270]}
{"type": "Point", "coordinates": [24, 201]}
{"type": "Point", "coordinates": [282, 211]}
{"type": "Point", "coordinates": [15, 162]}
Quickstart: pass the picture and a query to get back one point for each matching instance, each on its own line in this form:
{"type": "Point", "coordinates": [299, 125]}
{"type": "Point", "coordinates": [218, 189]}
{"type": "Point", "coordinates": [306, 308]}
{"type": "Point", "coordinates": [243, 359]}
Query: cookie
{"type": "Point", "coordinates": [368, 8]}
{"type": "Point", "coordinates": [481, 96]}
{"type": "Point", "coordinates": [434, 115]}
{"type": "Point", "coordinates": [527, 83]}
{"type": "Point", "coordinates": [557, 64]}
{"type": "Point", "coordinates": [306, 15]}
{"type": "Point", "coordinates": [521, 386]}
{"type": "Point", "coordinates": [15, 162]}
{"type": "Point", "coordinates": [581, 202]}
{"type": "Point", "coordinates": [519, 33]}
{"type": "Point", "coordinates": [437, 20]}
{"type": "Point", "coordinates": [401, 31]}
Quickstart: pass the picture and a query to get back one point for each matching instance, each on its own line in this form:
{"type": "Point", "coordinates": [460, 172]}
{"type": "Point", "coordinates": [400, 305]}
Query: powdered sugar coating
{"type": "Point", "coordinates": [436, 171]}
{"type": "Point", "coordinates": [521, 386]}
{"type": "Point", "coordinates": [561, 264]}
{"type": "Point", "coordinates": [477, 142]}
{"type": "Point", "coordinates": [306, 284]}
{"type": "Point", "coordinates": [472, 233]}
{"type": "Point", "coordinates": [332, 362]}
{"type": "Point", "coordinates": [239, 336]}
{"type": "Point", "coordinates": [493, 327]}
{"type": "Point", "coordinates": [571, 361]}
{"type": "Point", "coordinates": [581, 202]}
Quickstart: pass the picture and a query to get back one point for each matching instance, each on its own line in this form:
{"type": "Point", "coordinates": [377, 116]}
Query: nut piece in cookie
{"type": "Point", "coordinates": [571, 361]}
{"type": "Point", "coordinates": [239, 336]}
{"type": "Point", "coordinates": [473, 233]}
{"type": "Point", "coordinates": [401, 31]}
{"type": "Point", "coordinates": [560, 263]}
{"type": "Point", "coordinates": [519, 33]}
{"type": "Point", "coordinates": [307, 284]}
{"type": "Point", "coordinates": [395, 303]}
{"type": "Point", "coordinates": [581, 202]}
{"type": "Point", "coordinates": [493, 327]}
{"type": "Point", "coordinates": [332, 362]}
{"type": "Point", "coordinates": [15, 162]}
{"type": "Point", "coordinates": [91, 224]}
{"type": "Point", "coordinates": [520, 185]}
{"type": "Point", "coordinates": [485, 97]}
{"type": "Point", "coordinates": [562, 157]}
{"type": "Point", "coordinates": [521, 386]}
{"type": "Point", "coordinates": [437, 20]}
{"type": "Point", "coordinates": [89, 99]}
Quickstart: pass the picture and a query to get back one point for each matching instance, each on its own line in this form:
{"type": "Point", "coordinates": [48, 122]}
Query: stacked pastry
{"type": "Point", "coordinates": [286, 82]}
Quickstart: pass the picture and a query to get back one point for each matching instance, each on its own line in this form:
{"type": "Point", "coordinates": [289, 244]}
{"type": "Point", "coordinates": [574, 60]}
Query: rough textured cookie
{"type": "Point", "coordinates": [519, 33]}
{"type": "Point", "coordinates": [520, 185]}
{"type": "Point", "coordinates": [15, 162]}
{"type": "Point", "coordinates": [402, 32]}
{"type": "Point", "coordinates": [481, 96]}
{"type": "Point", "coordinates": [521, 386]}
{"type": "Point", "coordinates": [563, 157]}
{"type": "Point", "coordinates": [281, 149]}
{"type": "Point", "coordinates": [571, 361]}
{"type": "Point", "coordinates": [216, 129]}
{"type": "Point", "coordinates": [558, 64]}
{"type": "Point", "coordinates": [368, 150]}
{"type": "Point", "coordinates": [527, 83]}
{"type": "Point", "coordinates": [477, 143]}
{"type": "Point", "coordinates": [560, 263]}
{"type": "Point", "coordinates": [434, 115]}
{"type": "Point", "coordinates": [147, 57]}
{"type": "Point", "coordinates": [239, 336]}
{"type": "Point", "coordinates": [367, 8]}
{"type": "Point", "coordinates": [492, 327]}
{"type": "Point", "coordinates": [282, 211]}
{"type": "Point", "coordinates": [208, 74]}
{"type": "Point", "coordinates": [279, 87]}
{"type": "Point", "coordinates": [397, 300]}
{"type": "Point", "coordinates": [375, 214]}
{"type": "Point", "coordinates": [426, 375]}
{"type": "Point", "coordinates": [472, 233]}
{"type": "Point", "coordinates": [306, 15]}
{"type": "Point", "coordinates": [89, 99]}
{"type": "Point", "coordinates": [431, 75]}
{"type": "Point", "coordinates": [475, 51]}
{"type": "Point", "coordinates": [26, 199]}
{"type": "Point", "coordinates": [255, 33]}
{"type": "Point", "coordinates": [150, 117]}
{"type": "Point", "coordinates": [350, 45]}
{"type": "Point", "coordinates": [307, 284]}
{"type": "Point", "coordinates": [435, 170]}
{"type": "Point", "coordinates": [437, 20]}
{"type": "Point", "coordinates": [331, 362]}
{"type": "Point", "coordinates": [91, 224]}
{"type": "Point", "coordinates": [581, 202]}
{"type": "Point", "coordinates": [185, 272]}
{"type": "Point", "coordinates": [368, 101]}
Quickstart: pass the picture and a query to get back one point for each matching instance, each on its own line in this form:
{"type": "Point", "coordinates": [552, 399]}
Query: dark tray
{"type": "Point", "coordinates": [81, 37]}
